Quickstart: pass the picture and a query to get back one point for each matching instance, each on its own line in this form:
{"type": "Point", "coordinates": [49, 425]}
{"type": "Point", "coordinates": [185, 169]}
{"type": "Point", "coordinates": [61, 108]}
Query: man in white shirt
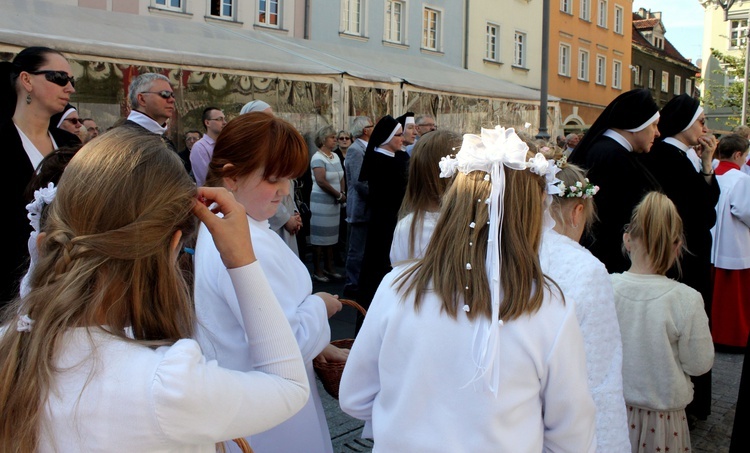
{"type": "Point", "coordinates": [214, 122]}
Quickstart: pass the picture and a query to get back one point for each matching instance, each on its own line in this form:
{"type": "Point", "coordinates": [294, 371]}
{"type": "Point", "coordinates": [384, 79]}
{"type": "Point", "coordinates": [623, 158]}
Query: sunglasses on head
{"type": "Point", "coordinates": [60, 78]}
{"type": "Point", "coordinates": [164, 94]}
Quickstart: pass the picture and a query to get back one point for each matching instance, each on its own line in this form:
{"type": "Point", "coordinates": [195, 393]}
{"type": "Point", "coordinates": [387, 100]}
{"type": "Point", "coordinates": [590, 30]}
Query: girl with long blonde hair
{"type": "Point", "coordinates": [471, 348]}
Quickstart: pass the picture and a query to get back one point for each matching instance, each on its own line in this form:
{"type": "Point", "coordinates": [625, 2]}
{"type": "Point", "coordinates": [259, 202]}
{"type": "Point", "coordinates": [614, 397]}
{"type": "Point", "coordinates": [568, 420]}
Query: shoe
{"type": "Point", "coordinates": [333, 275]}
{"type": "Point", "coordinates": [320, 278]}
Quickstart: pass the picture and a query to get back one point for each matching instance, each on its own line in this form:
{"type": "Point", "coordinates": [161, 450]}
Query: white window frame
{"type": "Point", "coordinates": [519, 49]}
{"type": "Point", "coordinates": [222, 4]}
{"type": "Point", "coordinates": [689, 87]}
{"type": "Point", "coordinates": [267, 14]}
{"type": "Point", "coordinates": [395, 24]}
{"type": "Point", "coordinates": [601, 13]}
{"type": "Point", "coordinates": [352, 19]}
{"type": "Point", "coordinates": [651, 78]}
{"type": "Point", "coordinates": [585, 12]}
{"type": "Point", "coordinates": [664, 82]}
{"type": "Point", "coordinates": [566, 6]}
{"type": "Point", "coordinates": [563, 60]}
{"type": "Point", "coordinates": [492, 42]}
{"type": "Point", "coordinates": [601, 69]}
{"type": "Point", "coordinates": [637, 75]}
{"type": "Point", "coordinates": [432, 38]}
{"type": "Point", "coordinates": [737, 33]}
{"type": "Point", "coordinates": [617, 74]}
{"type": "Point", "coordinates": [167, 4]}
{"type": "Point", "coordinates": [584, 59]}
{"type": "Point", "coordinates": [677, 84]}
{"type": "Point", "coordinates": [619, 19]}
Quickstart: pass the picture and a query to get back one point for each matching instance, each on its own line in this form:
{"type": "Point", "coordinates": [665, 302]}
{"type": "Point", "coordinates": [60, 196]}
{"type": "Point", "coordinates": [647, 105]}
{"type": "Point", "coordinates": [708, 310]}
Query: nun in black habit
{"type": "Point", "coordinates": [627, 127]}
{"type": "Point", "coordinates": [694, 194]}
{"type": "Point", "coordinates": [385, 168]}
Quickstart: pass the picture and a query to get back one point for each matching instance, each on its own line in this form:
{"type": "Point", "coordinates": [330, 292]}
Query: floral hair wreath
{"type": "Point", "coordinates": [578, 190]}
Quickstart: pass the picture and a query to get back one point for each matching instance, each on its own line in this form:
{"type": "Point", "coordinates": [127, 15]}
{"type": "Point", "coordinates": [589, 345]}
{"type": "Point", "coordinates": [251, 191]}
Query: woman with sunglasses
{"type": "Point", "coordinates": [69, 125]}
{"type": "Point", "coordinates": [37, 84]}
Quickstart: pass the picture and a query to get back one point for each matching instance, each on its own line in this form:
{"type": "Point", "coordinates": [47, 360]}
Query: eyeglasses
{"type": "Point", "coordinates": [368, 127]}
{"type": "Point", "coordinates": [221, 118]}
{"type": "Point", "coordinates": [427, 125]}
{"type": "Point", "coordinates": [345, 138]}
{"type": "Point", "coordinates": [60, 78]}
{"type": "Point", "coordinates": [74, 120]}
{"type": "Point", "coordinates": [191, 139]}
{"type": "Point", "coordinates": [164, 94]}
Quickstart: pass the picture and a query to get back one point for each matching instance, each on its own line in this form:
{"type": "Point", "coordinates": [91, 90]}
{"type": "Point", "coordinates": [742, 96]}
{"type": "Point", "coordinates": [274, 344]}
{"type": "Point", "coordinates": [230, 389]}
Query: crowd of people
{"type": "Point", "coordinates": [521, 295]}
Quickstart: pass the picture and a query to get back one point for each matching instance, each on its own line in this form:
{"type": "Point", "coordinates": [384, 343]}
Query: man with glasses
{"type": "Point", "coordinates": [92, 130]}
{"type": "Point", "coordinates": [424, 124]}
{"type": "Point", "coordinates": [152, 105]}
{"type": "Point", "coordinates": [356, 202]}
{"type": "Point", "coordinates": [214, 122]}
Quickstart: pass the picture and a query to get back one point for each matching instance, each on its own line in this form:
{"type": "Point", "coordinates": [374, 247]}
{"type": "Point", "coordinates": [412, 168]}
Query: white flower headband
{"type": "Point", "coordinates": [578, 190]}
{"type": "Point", "coordinates": [489, 152]}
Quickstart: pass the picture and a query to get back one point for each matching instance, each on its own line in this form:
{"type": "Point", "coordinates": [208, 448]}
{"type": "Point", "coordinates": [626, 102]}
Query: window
{"type": "Point", "coordinates": [351, 17]}
{"type": "Point", "coordinates": [659, 42]}
{"type": "Point", "coordinates": [431, 29]}
{"type": "Point", "coordinates": [601, 69]}
{"type": "Point", "coordinates": [651, 78]}
{"type": "Point", "coordinates": [619, 15]}
{"type": "Point", "coordinates": [665, 81]}
{"type": "Point", "coordinates": [637, 75]}
{"type": "Point", "coordinates": [689, 86]}
{"type": "Point", "coordinates": [737, 32]}
{"type": "Point", "coordinates": [566, 6]}
{"type": "Point", "coordinates": [268, 12]}
{"type": "Point", "coordinates": [583, 65]}
{"type": "Point", "coordinates": [586, 10]}
{"type": "Point", "coordinates": [222, 8]}
{"type": "Point", "coordinates": [564, 63]}
{"type": "Point", "coordinates": [519, 49]}
{"type": "Point", "coordinates": [601, 18]}
{"type": "Point", "coordinates": [677, 83]}
{"type": "Point", "coordinates": [169, 4]}
{"type": "Point", "coordinates": [616, 74]}
{"type": "Point", "coordinates": [394, 21]}
{"type": "Point", "coordinates": [491, 46]}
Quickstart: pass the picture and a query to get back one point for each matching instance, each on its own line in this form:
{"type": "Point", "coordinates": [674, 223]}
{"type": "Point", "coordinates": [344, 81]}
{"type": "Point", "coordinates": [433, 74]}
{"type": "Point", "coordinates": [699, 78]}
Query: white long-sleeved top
{"type": "Point", "coordinates": [731, 234]}
{"type": "Point", "coordinates": [585, 280]}
{"type": "Point", "coordinates": [400, 243]}
{"type": "Point", "coordinates": [409, 373]}
{"type": "Point", "coordinates": [111, 395]}
{"type": "Point", "coordinates": [665, 339]}
{"type": "Point", "coordinates": [223, 337]}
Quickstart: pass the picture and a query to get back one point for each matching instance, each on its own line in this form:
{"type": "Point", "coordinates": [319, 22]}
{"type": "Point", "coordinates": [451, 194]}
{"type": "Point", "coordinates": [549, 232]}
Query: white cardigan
{"type": "Point", "coordinates": [409, 373]}
{"type": "Point", "coordinates": [223, 337]}
{"type": "Point", "coordinates": [731, 234]}
{"type": "Point", "coordinates": [585, 280]}
{"type": "Point", "coordinates": [112, 395]}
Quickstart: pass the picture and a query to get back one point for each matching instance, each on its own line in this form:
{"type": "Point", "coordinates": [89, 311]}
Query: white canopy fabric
{"type": "Point", "coordinates": [175, 41]}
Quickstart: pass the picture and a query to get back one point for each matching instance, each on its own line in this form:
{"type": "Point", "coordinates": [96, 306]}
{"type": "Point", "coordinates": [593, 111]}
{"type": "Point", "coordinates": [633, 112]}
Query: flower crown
{"type": "Point", "coordinates": [42, 197]}
{"type": "Point", "coordinates": [578, 190]}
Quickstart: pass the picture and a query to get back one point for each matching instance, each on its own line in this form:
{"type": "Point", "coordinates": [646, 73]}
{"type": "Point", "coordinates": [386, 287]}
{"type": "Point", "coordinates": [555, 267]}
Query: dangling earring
{"type": "Point", "coordinates": [28, 98]}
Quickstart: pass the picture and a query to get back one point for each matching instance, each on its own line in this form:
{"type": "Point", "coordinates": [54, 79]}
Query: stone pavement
{"type": "Point", "coordinates": [709, 436]}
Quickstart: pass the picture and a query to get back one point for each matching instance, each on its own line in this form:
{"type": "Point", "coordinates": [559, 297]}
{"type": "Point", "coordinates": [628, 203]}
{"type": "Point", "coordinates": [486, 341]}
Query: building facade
{"type": "Point", "coordinates": [657, 65]}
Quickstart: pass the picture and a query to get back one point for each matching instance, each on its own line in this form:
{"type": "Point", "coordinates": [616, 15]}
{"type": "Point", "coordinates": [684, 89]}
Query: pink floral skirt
{"type": "Point", "coordinates": [658, 431]}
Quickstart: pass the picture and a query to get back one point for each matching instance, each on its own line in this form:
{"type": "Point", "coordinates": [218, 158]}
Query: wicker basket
{"type": "Point", "coordinates": [329, 373]}
{"type": "Point", "coordinates": [244, 446]}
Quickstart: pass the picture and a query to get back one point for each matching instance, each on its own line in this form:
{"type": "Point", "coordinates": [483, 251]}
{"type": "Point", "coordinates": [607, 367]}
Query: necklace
{"type": "Point", "coordinates": [328, 156]}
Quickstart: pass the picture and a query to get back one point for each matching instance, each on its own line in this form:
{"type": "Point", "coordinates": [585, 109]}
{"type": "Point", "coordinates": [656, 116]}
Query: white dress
{"type": "Point", "coordinates": [409, 373]}
{"type": "Point", "coordinates": [326, 211]}
{"type": "Point", "coordinates": [111, 395]}
{"type": "Point", "coordinates": [585, 280]}
{"type": "Point", "coordinates": [224, 338]}
{"type": "Point", "coordinates": [400, 244]}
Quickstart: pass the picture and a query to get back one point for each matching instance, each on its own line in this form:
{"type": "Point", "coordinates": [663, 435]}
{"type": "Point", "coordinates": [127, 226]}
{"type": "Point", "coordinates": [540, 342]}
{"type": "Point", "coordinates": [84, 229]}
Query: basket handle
{"type": "Point", "coordinates": [351, 303]}
{"type": "Point", "coordinates": [244, 446]}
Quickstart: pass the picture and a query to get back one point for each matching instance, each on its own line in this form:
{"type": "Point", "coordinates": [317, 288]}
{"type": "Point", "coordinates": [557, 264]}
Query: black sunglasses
{"type": "Point", "coordinates": [57, 77]}
{"type": "Point", "coordinates": [74, 120]}
{"type": "Point", "coordinates": [164, 94]}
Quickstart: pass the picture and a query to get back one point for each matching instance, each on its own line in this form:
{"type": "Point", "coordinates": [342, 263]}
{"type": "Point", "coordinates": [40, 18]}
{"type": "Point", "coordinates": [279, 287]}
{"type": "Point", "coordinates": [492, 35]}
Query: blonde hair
{"type": "Point", "coordinates": [425, 187]}
{"type": "Point", "coordinates": [657, 225]}
{"type": "Point", "coordinates": [106, 259]}
{"type": "Point", "coordinates": [443, 268]}
{"type": "Point", "coordinates": [561, 207]}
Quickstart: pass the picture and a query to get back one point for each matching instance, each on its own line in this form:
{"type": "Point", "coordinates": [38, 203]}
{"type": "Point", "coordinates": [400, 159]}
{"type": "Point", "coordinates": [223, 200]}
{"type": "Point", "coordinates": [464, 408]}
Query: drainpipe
{"type": "Point", "coordinates": [466, 34]}
{"type": "Point", "coordinates": [543, 134]}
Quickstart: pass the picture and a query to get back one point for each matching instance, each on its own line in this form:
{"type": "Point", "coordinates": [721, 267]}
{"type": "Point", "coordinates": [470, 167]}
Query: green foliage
{"type": "Point", "coordinates": [717, 95]}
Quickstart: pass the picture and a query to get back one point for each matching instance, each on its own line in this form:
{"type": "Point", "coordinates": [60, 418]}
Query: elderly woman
{"type": "Point", "coordinates": [328, 192]}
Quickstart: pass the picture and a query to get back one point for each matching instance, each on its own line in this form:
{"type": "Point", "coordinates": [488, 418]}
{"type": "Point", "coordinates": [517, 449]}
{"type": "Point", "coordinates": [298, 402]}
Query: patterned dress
{"type": "Point", "coordinates": [324, 224]}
